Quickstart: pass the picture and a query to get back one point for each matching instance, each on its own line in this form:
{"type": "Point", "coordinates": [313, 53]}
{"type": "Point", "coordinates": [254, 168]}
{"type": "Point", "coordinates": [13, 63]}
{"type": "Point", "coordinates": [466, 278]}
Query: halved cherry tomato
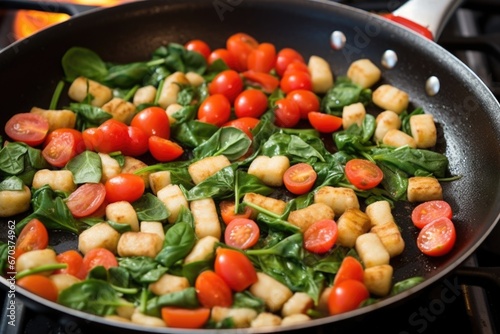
{"type": "Point", "coordinates": [86, 199]}
{"type": "Point", "coordinates": [60, 150]}
{"type": "Point", "coordinates": [228, 83]}
{"type": "Point", "coordinates": [79, 142]}
{"type": "Point", "coordinates": [240, 45]}
{"type": "Point", "coordinates": [306, 100]}
{"type": "Point", "coordinates": [242, 233]}
{"type": "Point", "coordinates": [176, 317]}
{"type": "Point", "coordinates": [224, 55]}
{"type": "Point", "coordinates": [39, 285]}
{"type": "Point", "coordinates": [124, 187]}
{"type": "Point", "coordinates": [28, 128]}
{"type": "Point", "coordinates": [164, 149]}
{"type": "Point", "coordinates": [74, 262]}
{"type": "Point", "coordinates": [235, 268]}
{"type": "Point", "coordinates": [324, 122]}
{"type": "Point", "coordinates": [299, 178]}
{"type": "Point", "coordinates": [426, 212]}
{"type": "Point", "coordinates": [245, 124]}
{"type": "Point", "coordinates": [228, 214]}
{"type": "Point", "coordinates": [347, 296]}
{"type": "Point", "coordinates": [97, 257]}
{"type": "Point", "coordinates": [199, 46]}
{"type": "Point", "coordinates": [153, 121]}
{"type": "Point", "coordinates": [285, 57]}
{"type": "Point", "coordinates": [350, 268]}
{"type": "Point", "coordinates": [33, 236]}
{"type": "Point", "coordinates": [293, 80]}
{"type": "Point", "coordinates": [267, 82]}
{"type": "Point", "coordinates": [250, 103]}
{"type": "Point", "coordinates": [287, 113]}
{"type": "Point", "coordinates": [363, 174]}
{"type": "Point", "coordinates": [137, 142]}
{"type": "Point", "coordinates": [111, 137]}
{"type": "Point", "coordinates": [263, 58]}
{"type": "Point", "coordinates": [320, 237]}
{"type": "Point", "coordinates": [215, 109]}
{"type": "Point", "coordinates": [212, 290]}
{"type": "Point", "coordinates": [437, 238]}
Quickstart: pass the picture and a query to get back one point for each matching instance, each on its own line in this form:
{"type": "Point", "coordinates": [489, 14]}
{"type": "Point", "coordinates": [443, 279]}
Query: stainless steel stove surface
{"type": "Point", "coordinates": [455, 304]}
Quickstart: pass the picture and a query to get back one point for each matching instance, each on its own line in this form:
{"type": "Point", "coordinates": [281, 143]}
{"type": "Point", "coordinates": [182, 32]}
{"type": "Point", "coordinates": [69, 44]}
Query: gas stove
{"type": "Point", "coordinates": [455, 304]}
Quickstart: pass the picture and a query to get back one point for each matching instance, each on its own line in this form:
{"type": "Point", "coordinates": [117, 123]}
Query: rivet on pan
{"type": "Point", "coordinates": [337, 40]}
{"type": "Point", "coordinates": [389, 59]}
{"type": "Point", "coordinates": [432, 86]}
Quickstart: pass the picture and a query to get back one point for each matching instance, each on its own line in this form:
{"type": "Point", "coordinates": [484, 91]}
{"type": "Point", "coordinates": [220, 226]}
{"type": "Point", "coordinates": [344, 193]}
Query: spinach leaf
{"type": "Point", "coordinates": [185, 299]}
{"type": "Point", "coordinates": [79, 61]}
{"type": "Point", "coordinates": [119, 227]}
{"type": "Point", "coordinates": [277, 224]}
{"type": "Point", "coordinates": [88, 116]}
{"type": "Point", "coordinates": [126, 75]}
{"type": "Point", "coordinates": [228, 141]}
{"type": "Point", "coordinates": [406, 284]}
{"type": "Point", "coordinates": [292, 146]}
{"type": "Point", "coordinates": [12, 158]}
{"type": "Point", "coordinates": [247, 183]}
{"type": "Point", "coordinates": [193, 269]}
{"type": "Point", "coordinates": [395, 181]}
{"type": "Point", "coordinates": [179, 241]}
{"type": "Point", "coordinates": [150, 208]}
{"type": "Point", "coordinates": [290, 247]}
{"type": "Point", "coordinates": [356, 138]}
{"type": "Point", "coordinates": [218, 186]}
{"type": "Point", "coordinates": [246, 299]}
{"type": "Point", "coordinates": [178, 58]}
{"type": "Point", "coordinates": [86, 167]}
{"type": "Point", "coordinates": [405, 119]}
{"type": "Point", "coordinates": [142, 269]}
{"type": "Point", "coordinates": [193, 133]}
{"type": "Point", "coordinates": [11, 183]}
{"type": "Point", "coordinates": [344, 93]}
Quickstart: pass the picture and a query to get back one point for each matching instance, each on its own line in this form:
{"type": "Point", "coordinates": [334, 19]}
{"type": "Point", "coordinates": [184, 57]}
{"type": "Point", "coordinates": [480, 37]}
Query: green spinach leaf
{"type": "Point", "coordinates": [86, 167]}
{"type": "Point", "coordinates": [150, 208]}
{"type": "Point", "coordinates": [179, 240]}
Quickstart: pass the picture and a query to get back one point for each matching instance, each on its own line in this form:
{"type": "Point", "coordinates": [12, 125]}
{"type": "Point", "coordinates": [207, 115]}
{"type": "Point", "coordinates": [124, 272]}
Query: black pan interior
{"type": "Point", "coordinates": [467, 114]}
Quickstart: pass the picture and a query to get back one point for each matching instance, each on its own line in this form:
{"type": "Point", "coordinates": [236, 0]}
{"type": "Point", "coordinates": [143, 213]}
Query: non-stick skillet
{"type": "Point", "coordinates": [467, 114]}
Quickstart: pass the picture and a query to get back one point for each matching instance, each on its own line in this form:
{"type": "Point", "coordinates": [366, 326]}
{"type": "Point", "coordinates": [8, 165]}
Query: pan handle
{"type": "Point", "coordinates": [479, 276]}
{"type": "Point", "coordinates": [46, 6]}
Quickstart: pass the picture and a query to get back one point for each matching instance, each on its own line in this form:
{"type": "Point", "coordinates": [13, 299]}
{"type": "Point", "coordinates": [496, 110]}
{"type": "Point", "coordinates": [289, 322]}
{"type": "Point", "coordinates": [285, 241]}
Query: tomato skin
{"type": "Point", "coordinates": [263, 58]}
{"type": "Point", "coordinates": [176, 317]}
{"type": "Point", "coordinates": [297, 65]}
{"type": "Point", "coordinates": [92, 137]}
{"type": "Point", "coordinates": [199, 46]}
{"type": "Point", "coordinates": [250, 103]}
{"type": "Point", "coordinates": [306, 100]}
{"type": "Point", "coordinates": [227, 211]}
{"type": "Point", "coordinates": [350, 268]}
{"type": "Point", "coordinates": [137, 142]}
{"type": "Point", "coordinates": [33, 236]}
{"type": "Point", "coordinates": [347, 296]}
{"type": "Point", "coordinates": [74, 262]}
{"type": "Point", "coordinates": [426, 212]}
{"type": "Point", "coordinates": [97, 257]}
{"type": "Point", "coordinates": [363, 174]}
{"type": "Point", "coordinates": [224, 55]}
{"type": "Point", "coordinates": [215, 109]}
{"type": "Point", "coordinates": [212, 290]}
{"type": "Point", "coordinates": [299, 178]}
{"type": "Point", "coordinates": [124, 187]}
{"type": "Point", "coordinates": [285, 57]}
{"type": "Point", "coordinates": [164, 150]}
{"type": "Point", "coordinates": [240, 45]}
{"type": "Point", "coordinates": [228, 83]}
{"type": "Point", "coordinates": [287, 113]}
{"type": "Point", "coordinates": [245, 124]}
{"type": "Point", "coordinates": [235, 268]}
{"type": "Point", "coordinates": [77, 135]}
{"type": "Point", "coordinates": [112, 136]}
{"type": "Point", "coordinates": [86, 199]}
{"type": "Point", "coordinates": [60, 150]}
{"type": "Point", "coordinates": [320, 237]}
{"type": "Point", "coordinates": [437, 238]}
{"type": "Point", "coordinates": [28, 128]}
{"type": "Point", "coordinates": [267, 82]}
{"type": "Point", "coordinates": [242, 233]}
{"type": "Point", "coordinates": [293, 80]}
{"type": "Point", "coordinates": [153, 121]}
{"type": "Point", "coordinates": [39, 285]}
{"type": "Point", "coordinates": [324, 123]}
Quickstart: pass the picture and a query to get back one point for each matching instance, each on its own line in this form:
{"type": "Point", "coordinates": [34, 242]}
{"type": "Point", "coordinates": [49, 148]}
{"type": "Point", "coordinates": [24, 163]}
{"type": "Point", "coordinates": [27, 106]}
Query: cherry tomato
{"type": "Point", "coordinates": [350, 268]}
{"type": "Point", "coordinates": [228, 83]}
{"type": "Point", "coordinates": [163, 149]}
{"type": "Point", "coordinates": [287, 113]}
{"type": "Point", "coordinates": [228, 214]}
{"type": "Point", "coordinates": [240, 45]}
{"type": "Point", "coordinates": [293, 80]}
{"type": "Point", "coordinates": [437, 238]}
{"type": "Point", "coordinates": [224, 55]}
{"type": "Point", "coordinates": [426, 212]}
{"type": "Point", "coordinates": [28, 128]}
{"type": "Point", "coordinates": [363, 174]}
{"type": "Point", "coordinates": [33, 236]}
{"type": "Point", "coordinates": [153, 121]}
{"type": "Point", "coordinates": [320, 237]}
{"type": "Point", "coordinates": [299, 178]}
{"type": "Point", "coordinates": [297, 65]}
{"type": "Point", "coordinates": [112, 137]}
{"type": "Point", "coordinates": [212, 290]}
{"type": "Point", "coordinates": [245, 124]}
{"type": "Point", "coordinates": [124, 187]}
{"type": "Point", "coordinates": [78, 136]}
{"type": "Point", "coordinates": [39, 285]}
{"type": "Point", "coordinates": [242, 233]}
{"type": "Point", "coordinates": [97, 257]}
{"type": "Point", "coordinates": [306, 100]}
{"type": "Point", "coordinates": [86, 199]}
{"type": "Point", "coordinates": [60, 150]}
{"type": "Point", "coordinates": [285, 57]}
{"type": "Point", "coordinates": [250, 103]}
{"type": "Point", "coordinates": [235, 268]}
{"type": "Point", "coordinates": [176, 317]}
{"type": "Point", "coordinates": [263, 58]}
{"type": "Point", "coordinates": [347, 296]}
{"type": "Point", "coordinates": [137, 142]}
{"type": "Point", "coordinates": [92, 137]}
{"type": "Point", "coordinates": [215, 109]}
{"type": "Point", "coordinates": [324, 122]}
{"type": "Point", "coordinates": [74, 262]}
{"type": "Point", "coordinates": [199, 46]}
{"type": "Point", "coordinates": [267, 82]}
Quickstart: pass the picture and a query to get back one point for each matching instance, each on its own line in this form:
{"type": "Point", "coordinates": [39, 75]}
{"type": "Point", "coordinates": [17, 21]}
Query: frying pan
{"type": "Point", "coordinates": [467, 114]}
